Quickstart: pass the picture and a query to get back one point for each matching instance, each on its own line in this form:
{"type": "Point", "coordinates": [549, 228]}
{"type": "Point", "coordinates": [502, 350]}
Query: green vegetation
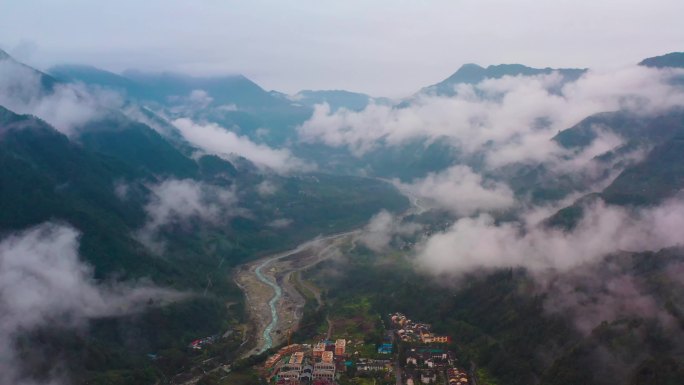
{"type": "Point", "coordinates": [484, 378]}
{"type": "Point", "coordinates": [44, 176]}
{"type": "Point", "coordinates": [658, 177]}
{"type": "Point", "coordinates": [498, 319]}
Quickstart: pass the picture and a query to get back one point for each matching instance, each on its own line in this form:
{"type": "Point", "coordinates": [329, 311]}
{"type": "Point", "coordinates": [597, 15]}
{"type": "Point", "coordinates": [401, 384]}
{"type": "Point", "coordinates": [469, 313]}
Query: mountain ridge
{"type": "Point", "coordinates": [471, 73]}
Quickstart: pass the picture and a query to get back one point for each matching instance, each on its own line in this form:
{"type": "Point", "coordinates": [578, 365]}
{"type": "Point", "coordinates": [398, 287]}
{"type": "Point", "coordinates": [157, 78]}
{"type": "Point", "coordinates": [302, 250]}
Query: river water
{"type": "Point", "coordinates": [268, 341]}
{"type": "Point", "coordinates": [277, 290]}
{"type": "Point", "coordinates": [416, 208]}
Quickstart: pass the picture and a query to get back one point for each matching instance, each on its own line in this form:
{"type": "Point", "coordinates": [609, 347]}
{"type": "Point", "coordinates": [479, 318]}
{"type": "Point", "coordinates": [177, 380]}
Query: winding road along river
{"type": "Point", "coordinates": [319, 247]}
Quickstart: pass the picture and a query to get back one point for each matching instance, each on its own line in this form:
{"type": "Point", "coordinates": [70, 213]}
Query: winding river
{"type": "Point", "coordinates": [266, 337]}
{"type": "Point", "coordinates": [268, 341]}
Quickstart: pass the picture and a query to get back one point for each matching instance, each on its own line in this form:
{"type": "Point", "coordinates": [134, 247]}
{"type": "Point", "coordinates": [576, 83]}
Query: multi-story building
{"type": "Point", "coordinates": [340, 347]}
{"type": "Point", "coordinates": [296, 360]}
{"type": "Point", "coordinates": [324, 371]}
{"type": "Point", "coordinates": [327, 357]}
{"type": "Point", "coordinates": [318, 349]}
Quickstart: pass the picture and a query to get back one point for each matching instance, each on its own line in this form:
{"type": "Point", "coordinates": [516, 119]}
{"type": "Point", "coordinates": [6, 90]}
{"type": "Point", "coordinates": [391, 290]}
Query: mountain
{"type": "Point", "coordinates": [643, 128]}
{"type": "Point", "coordinates": [337, 99]}
{"type": "Point", "coordinates": [672, 60]}
{"type": "Point", "coordinates": [233, 101]}
{"type": "Point", "coordinates": [45, 176]}
{"type": "Point", "coordinates": [223, 90]}
{"type": "Point", "coordinates": [656, 178]}
{"type": "Point", "coordinates": [17, 70]}
{"type": "Point", "coordinates": [138, 145]}
{"type": "Point", "coordinates": [507, 323]}
{"type": "Point", "coordinates": [172, 88]}
{"type": "Point", "coordinates": [105, 179]}
{"type": "Point", "coordinates": [473, 74]}
{"type": "Point", "coordinates": [94, 76]}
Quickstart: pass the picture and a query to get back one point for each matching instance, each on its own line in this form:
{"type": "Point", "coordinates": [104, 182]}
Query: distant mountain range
{"type": "Point", "coordinates": [111, 172]}
{"type": "Point", "coordinates": [473, 74]}
{"type": "Point", "coordinates": [672, 60]}
{"type": "Point", "coordinates": [106, 176]}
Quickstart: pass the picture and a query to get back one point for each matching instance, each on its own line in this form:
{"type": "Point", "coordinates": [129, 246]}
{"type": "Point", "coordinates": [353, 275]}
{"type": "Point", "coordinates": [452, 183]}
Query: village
{"type": "Point", "coordinates": [411, 354]}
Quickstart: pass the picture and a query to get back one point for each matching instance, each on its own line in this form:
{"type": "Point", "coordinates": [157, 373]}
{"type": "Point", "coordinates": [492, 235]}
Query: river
{"type": "Point", "coordinates": [320, 246]}
{"type": "Point", "coordinates": [323, 244]}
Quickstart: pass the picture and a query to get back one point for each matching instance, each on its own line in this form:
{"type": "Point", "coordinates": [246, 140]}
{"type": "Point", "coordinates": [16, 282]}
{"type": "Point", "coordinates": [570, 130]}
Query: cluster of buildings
{"type": "Point", "coordinates": [423, 359]}
{"type": "Point", "coordinates": [367, 365]}
{"type": "Point", "coordinates": [410, 331]}
{"type": "Point", "coordinates": [425, 364]}
{"type": "Point", "coordinates": [457, 377]}
{"type": "Point", "coordinates": [305, 364]}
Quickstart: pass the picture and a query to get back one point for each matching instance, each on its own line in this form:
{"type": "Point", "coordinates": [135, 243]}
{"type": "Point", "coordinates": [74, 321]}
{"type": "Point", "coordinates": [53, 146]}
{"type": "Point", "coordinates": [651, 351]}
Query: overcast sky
{"type": "Point", "coordinates": [382, 47]}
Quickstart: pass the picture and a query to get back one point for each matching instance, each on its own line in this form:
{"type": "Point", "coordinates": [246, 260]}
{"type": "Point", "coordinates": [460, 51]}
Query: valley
{"type": "Point", "coordinates": [168, 228]}
{"type": "Point", "coordinates": [273, 300]}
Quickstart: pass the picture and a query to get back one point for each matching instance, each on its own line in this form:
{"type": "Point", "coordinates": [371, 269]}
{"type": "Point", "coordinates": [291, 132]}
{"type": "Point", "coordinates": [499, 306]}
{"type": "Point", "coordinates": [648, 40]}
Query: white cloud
{"type": "Point", "coordinates": [228, 108]}
{"type": "Point", "coordinates": [507, 120]}
{"type": "Point", "coordinates": [176, 202]}
{"type": "Point", "coordinates": [592, 294]}
{"type": "Point", "coordinates": [390, 48]}
{"type": "Point", "coordinates": [217, 140]}
{"type": "Point", "coordinates": [280, 223]}
{"type": "Point", "coordinates": [475, 243]}
{"type": "Point", "coordinates": [459, 190]}
{"type": "Point", "coordinates": [121, 189]}
{"type": "Point", "coordinates": [382, 228]}
{"type": "Point", "coordinates": [194, 101]}
{"type": "Point", "coordinates": [43, 282]}
{"type": "Point", "coordinates": [266, 188]}
{"type": "Point", "coordinates": [66, 106]}
{"type": "Point", "coordinates": [200, 97]}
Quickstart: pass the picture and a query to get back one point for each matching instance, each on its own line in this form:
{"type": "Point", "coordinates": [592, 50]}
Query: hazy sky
{"type": "Point", "coordinates": [382, 47]}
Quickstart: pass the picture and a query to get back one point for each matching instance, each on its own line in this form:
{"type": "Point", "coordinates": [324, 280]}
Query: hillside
{"type": "Point", "coordinates": [640, 128]}
{"type": "Point", "coordinates": [175, 182]}
{"type": "Point", "coordinates": [473, 74]}
{"type": "Point", "coordinates": [503, 320]}
{"type": "Point", "coordinates": [672, 60]}
{"type": "Point", "coordinates": [658, 177]}
{"type": "Point", "coordinates": [105, 181]}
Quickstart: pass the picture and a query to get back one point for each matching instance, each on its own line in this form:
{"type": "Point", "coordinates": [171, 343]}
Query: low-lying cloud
{"type": "Point", "coordinates": [382, 228]}
{"type": "Point", "coordinates": [592, 294]}
{"type": "Point", "coordinates": [215, 139]}
{"type": "Point", "coordinates": [43, 282]}
{"type": "Point", "coordinates": [506, 120]}
{"type": "Point", "coordinates": [460, 190]}
{"type": "Point", "coordinates": [266, 188]}
{"type": "Point", "coordinates": [65, 106]}
{"type": "Point", "coordinates": [176, 202]}
{"type": "Point", "coordinates": [475, 243]}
